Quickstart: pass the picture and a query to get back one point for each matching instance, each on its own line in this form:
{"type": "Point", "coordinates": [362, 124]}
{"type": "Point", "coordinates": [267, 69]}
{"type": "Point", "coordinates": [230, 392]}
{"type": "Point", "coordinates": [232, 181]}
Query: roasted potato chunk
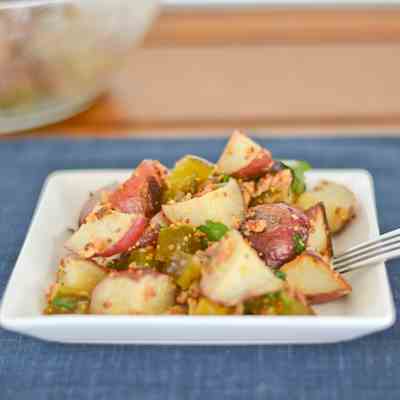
{"type": "Point", "coordinates": [313, 277]}
{"type": "Point", "coordinates": [133, 292]}
{"type": "Point", "coordinates": [319, 238]}
{"type": "Point", "coordinates": [277, 231]}
{"type": "Point", "coordinates": [224, 205]}
{"type": "Point", "coordinates": [339, 202]}
{"type": "Point", "coordinates": [244, 158]}
{"type": "Point", "coordinates": [233, 272]}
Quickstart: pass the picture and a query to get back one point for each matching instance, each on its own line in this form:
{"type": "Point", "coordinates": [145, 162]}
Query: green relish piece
{"type": "Point", "coordinates": [278, 303]}
{"type": "Point", "coordinates": [175, 239]}
{"type": "Point", "coordinates": [187, 176]}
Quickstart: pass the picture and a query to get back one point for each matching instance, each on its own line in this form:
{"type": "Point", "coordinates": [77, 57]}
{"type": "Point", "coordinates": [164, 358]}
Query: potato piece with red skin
{"type": "Point", "coordinates": [95, 200]}
{"type": "Point", "coordinates": [315, 278]}
{"type": "Point", "coordinates": [320, 238]}
{"type": "Point", "coordinates": [132, 235]}
{"type": "Point", "coordinates": [244, 158]}
{"type": "Point", "coordinates": [106, 233]}
{"type": "Point", "coordinates": [138, 292]}
{"type": "Point", "coordinates": [339, 201]}
{"type": "Point", "coordinates": [142, 192]}
{"type": "Point", "coordinates": [232, 272]}
{"type": "Point", "coordinates": [150, 235]}
{"type": "Point", "coordinates": [272, 229]}
{"type": "Point", "coordinates": [260, 164]}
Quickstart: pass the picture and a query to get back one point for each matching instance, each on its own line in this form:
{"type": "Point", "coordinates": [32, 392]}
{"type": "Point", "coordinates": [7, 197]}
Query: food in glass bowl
{"type": "Point", "coordinates": [242, 236]}
{"type": "Point", "coordinates": [58, 56]}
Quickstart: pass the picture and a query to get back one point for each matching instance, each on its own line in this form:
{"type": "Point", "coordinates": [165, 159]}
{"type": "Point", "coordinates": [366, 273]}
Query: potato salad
{"type": "Point", "coordinates": [244, 236]}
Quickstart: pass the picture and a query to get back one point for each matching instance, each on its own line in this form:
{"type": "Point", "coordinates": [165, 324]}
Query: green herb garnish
{"type": "Point", "coordinates": [280, 275]}
{"type": "Point", "coordinates": [298, 168]}
{"type": "Point", "coordinates": [271, 297]}
{"type": "Point", "coordinates": [299, 245]}
{"type": "Point", "coordinates": [224, 178]}
{"type": "Point", "coordinates": [214, 230]}
{"type": "Point", "coordinates": [66, 303]}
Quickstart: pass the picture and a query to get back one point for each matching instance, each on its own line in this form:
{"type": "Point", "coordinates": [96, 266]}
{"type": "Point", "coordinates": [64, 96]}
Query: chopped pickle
{"type": "Point", "coordinates": [190, 273]}
{"type": "Point", "coordinates": [224, 178]}
{"type": "Point", "coordinates": [279, 303]}
{"type": "Point", "coordinates": [140, 258]}
{"type": "Point", "coordinates": [280, 275]}
{"type": "Point", "coordinates": [186, 177]}
{"type": "Point", "coordinates": [64, 300]}
{"type": "Point", "coordinates": [175, 239]}
{"type": "Point", "coordinates": [208, 307]}
{"type": "Point", "coordinates": [274, 195]}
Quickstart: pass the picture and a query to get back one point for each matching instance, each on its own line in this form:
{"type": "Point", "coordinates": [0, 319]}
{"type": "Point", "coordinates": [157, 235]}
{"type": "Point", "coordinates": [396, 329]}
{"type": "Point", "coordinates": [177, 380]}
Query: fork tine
{"type": "Point", "coordinates": [391, 243]}
{"type": "Point", "coordinates": [377, 256]}
{"type": "Point", "coordinates": [387, 237]}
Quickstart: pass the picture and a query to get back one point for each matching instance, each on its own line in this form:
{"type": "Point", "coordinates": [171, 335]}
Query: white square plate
{"type": "Point", "coordinates": [368, 309]}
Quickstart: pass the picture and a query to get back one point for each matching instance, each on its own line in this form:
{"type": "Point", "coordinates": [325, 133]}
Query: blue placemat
{"type": "Point", "coordinates": [364, 369]}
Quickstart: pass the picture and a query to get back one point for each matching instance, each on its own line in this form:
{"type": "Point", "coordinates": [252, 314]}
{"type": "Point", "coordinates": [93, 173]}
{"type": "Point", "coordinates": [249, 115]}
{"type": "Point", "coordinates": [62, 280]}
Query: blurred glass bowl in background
{"type": "Point", "coordinates": [57, 56]}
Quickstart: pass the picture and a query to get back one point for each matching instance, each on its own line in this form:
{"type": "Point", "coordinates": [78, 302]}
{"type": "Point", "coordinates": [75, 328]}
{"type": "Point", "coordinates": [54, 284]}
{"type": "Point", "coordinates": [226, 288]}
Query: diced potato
{"type": "Point", "coordinates": [339, 201]}
{"type": "Point", "coordinates": [313, 277]}
{"type": "Point", "coordinates": [233, 272]}
{"type": "Point", "coordinates": [142, 192]}
{"type": "Point", "coordinates": [79, 275]}
{"type": "Point", "coordinates": [319, 238]}
{"type": "Point", "coordinates": [95, 200]}
{"type": "Point", "coordinates": [243, 158]}
{"type": "Point", "coordinates": [224, 205]}
{"type": "Point", "coordinates": [134, 292]}
{"type": "Point", "coordinates": [138, 258]}
{"type": "Point", "coordinates": [277, 231]}
{"type": "Point", "coordinates": [111, 231]}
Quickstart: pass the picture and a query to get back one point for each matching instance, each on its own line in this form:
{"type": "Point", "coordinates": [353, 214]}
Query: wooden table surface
{"type": "Point", "coordinates": [281, 71]}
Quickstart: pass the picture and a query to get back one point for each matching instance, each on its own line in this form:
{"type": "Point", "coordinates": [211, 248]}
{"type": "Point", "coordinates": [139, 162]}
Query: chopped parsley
{"type": "Point", "coordinates": [280, 275]}
{"type": "Point", "coordinates": [298, 168]}
{"type": "Point", "coordinates": [299, 245]}
{"type": "Point", "coordinates": [214, 230]}
{"type": "Point", "coordinates": [64, 302]}
{"type": "Point", "coordinates": [224, 178]}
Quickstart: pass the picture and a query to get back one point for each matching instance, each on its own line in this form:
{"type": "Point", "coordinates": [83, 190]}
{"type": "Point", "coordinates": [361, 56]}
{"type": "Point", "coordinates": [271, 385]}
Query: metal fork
{"type": "Point", "coordinates": [385, 247]}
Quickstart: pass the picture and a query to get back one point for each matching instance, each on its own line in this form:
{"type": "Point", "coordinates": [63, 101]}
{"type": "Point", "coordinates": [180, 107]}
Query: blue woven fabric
{"type": "Point", "coordinates": [365, 369]}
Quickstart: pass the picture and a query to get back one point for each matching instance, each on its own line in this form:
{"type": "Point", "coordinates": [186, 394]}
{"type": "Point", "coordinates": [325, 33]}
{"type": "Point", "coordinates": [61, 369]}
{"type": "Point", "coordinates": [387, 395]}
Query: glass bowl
{"type": "Point", "coordinates": [57, 56]}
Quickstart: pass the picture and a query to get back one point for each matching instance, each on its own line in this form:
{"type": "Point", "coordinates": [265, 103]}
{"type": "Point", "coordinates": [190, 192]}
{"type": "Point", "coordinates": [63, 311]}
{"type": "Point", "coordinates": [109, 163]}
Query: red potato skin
{"type": "Point", "coordinates": [260, 164]}
{"type": "Point", "coordinates": [270, 229]}
{"type": "Point", "coordinates": [93, 200]}
{"type": "Point", "coordinates": [128, 240]}
{"type": "Point", "coordinates": [320, 298]}
{"type": "Point", "coordinates": [150, 235]}
{"type": "Point", "coordinates": [142, 192]}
